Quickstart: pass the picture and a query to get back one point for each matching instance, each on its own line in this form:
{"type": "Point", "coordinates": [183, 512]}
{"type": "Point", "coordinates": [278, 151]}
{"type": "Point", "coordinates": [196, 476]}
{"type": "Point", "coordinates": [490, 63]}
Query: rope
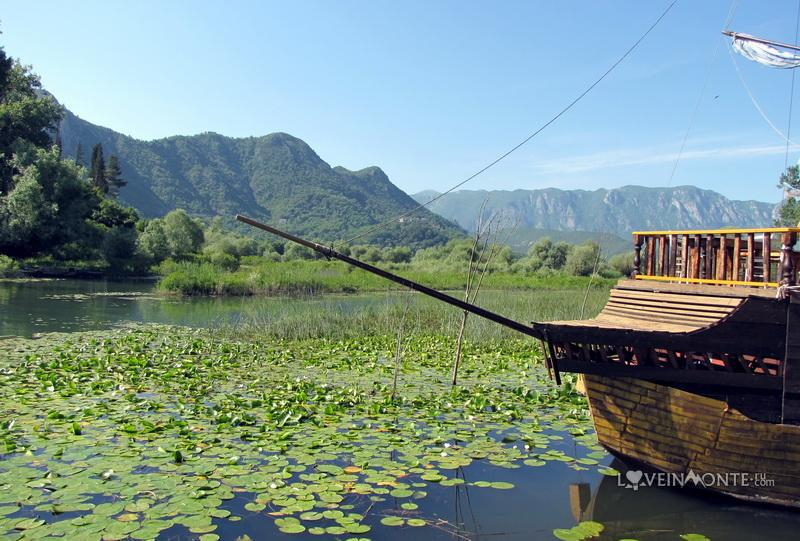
{"type": "Point", "coordinates": [531, 136]}
{"type": "Point", "coordinates": [731, 11]}
{"type": "Point", "coordinates": [791, 94]}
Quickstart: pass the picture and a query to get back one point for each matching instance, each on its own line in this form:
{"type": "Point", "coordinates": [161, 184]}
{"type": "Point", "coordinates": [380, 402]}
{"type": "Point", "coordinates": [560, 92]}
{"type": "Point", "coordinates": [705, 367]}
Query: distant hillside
{"type": "Point", "coordinates": [618, 211]}
{"type": "Point", "coordinates": [277, 178]}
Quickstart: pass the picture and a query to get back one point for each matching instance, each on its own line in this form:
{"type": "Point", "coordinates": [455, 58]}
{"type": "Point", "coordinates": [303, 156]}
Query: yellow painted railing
{"type": "Point", "coordinates": [757, 257]}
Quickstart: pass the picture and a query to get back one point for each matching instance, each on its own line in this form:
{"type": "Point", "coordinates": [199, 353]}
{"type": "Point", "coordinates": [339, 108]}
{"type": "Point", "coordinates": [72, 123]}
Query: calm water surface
{"type": "Point", "coordinates": [544, 498]}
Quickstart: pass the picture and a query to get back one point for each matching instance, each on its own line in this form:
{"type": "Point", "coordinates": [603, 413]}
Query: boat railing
{"type": "Point", "coordinates": [759, 257]}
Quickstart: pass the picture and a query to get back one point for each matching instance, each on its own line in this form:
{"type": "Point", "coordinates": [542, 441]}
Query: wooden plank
{"type": "Point", "coordinates": [737, 255]}
{"type": "Point", "coordinates": [720, 231]}
{"type": "Point", "coordinates": [695, 289]}
{"type": "Point", "coordinates": [677, 294]}
{"type": "Point", "coordinates": [721, 271]}
{"type": "Point", "coordinates": [685, 256]}
{"type": "Point", "coordinates": [790, 408]}
{"type": "Point", "coordinates": [659, 374]}
{"type": "Point", "coordinates": [751, 255]}
{"type": "Point", "coordinates": [729, 275]}
{"type": "Point", "coordinates": [696, 257]}
{"type": "Point", "coordinates": [766, 247]}
{"type": "Point", "coordinates": [673, 255]}
{"type": "Point", "coordinates": [662, 256]}
{"type": "Point", "coordinates": [649, 255]}
{"type": "Point", "coordinates": [707, 281]}
{"type": "Point", "coordinates": [709, 259]}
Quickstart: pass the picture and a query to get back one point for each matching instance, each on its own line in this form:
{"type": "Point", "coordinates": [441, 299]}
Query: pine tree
{"type": "Point", "coordinates": [79, 157]}
{"type": "Point", "coordinates": [98, 171]}
{"type": "Point", "coordinates": [113, 176]}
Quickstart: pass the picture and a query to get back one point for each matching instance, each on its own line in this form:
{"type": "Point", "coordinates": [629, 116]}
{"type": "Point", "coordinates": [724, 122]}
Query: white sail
{"type": "Point", "coordinates": [764, 54]}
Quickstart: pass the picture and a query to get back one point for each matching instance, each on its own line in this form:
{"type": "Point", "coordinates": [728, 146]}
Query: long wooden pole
{"type": "Point", "coordinates": [759, 40]}
{"type": "Point", "coordinates": [330, 252]}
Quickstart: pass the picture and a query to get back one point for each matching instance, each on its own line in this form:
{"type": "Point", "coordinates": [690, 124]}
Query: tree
{"type": "Point", "coordinates": [97, 173]}
{"type": "Point", "coordinates": [49, 206]}
{"type": "Point", "coordinates": [79, 157]}
{"type": "Point", "coordinates": [27, 118]}
{"type": "Point", "coordinates": [184, 235]}
{"type": "Point", "coordinates": [113, 176]}
{"type": "Point", "coordinates": [583, 260]}
{"type": "Point", "coordinates": [152, 242]}
{"type": "Point", "coordinates": [789, 212]}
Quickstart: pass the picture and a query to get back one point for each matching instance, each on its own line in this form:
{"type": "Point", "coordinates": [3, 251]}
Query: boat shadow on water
{"type": "Point", "coordinates": [649, 512]}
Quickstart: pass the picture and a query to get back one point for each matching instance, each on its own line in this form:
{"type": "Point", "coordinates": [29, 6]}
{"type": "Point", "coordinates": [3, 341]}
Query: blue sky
{"type": "Point", "coordinates": [431, 91]}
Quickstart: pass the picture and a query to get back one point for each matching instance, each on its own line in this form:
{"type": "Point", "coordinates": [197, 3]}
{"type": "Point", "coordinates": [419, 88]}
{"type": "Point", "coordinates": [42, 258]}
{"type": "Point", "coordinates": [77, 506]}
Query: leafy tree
{"type": "Point", "coordinates": [27, 118]}
{"type": "Point", "coordinates": [622, 263]}
{"type": "Point", "coordinates": [582, 260]}
{"type": "Point", "coordinates": [152, 242]}
{"type": "Point", "coordinates": [49, 206]}
{"type": "Point", "coordinates": [113, 176]}
{"type": "Point", "coordinates": [111, 213]}
{"type": "Point", "coordinates": [184, 234]}
{"type": "Point", "coordinates": [789, 212]}
{"type": "Point", "coordinates": [119, 246]}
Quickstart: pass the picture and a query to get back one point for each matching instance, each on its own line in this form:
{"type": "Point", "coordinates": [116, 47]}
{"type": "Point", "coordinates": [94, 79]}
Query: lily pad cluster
{"type": "Point", "coordinates": [165, 431]}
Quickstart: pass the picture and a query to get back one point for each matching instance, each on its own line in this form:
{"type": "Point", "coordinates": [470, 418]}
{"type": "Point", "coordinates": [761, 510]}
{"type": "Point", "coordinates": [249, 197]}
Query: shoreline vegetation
{"type": "Point", "coordinates": [314, 277]}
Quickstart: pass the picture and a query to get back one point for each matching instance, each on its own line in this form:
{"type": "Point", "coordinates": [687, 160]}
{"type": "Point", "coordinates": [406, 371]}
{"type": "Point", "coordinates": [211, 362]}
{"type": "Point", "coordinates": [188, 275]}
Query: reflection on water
{"type": "Point", "coordinates": [659, 513]}
{"type": "Point", "coordinates": [31, 307]}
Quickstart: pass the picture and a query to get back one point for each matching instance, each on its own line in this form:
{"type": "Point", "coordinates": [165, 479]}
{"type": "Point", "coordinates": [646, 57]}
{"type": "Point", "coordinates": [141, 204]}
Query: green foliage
{"type": "Point", "coordinates": [119, 246]}
{"type": "Point", "coordinates": [97, 173]}
{"type": "Point", "coordinates": [113, 176]}
{"type": "Point", "coordinates": [153, 243]}
{"type": "Point", "coordinates": [582, 259]}
{"type": "Point", "coordinates": [8, 267]}
{"type": "Point", "coordinates": [545, 256]}
{"type": "Point", "coordinates": [48, 207]}
{"type": "Point", "coordinates": [184, 234]}
{"type": "Point", "coordinates": [789, 212]}
{"type": "Point", "coordinates": [622, 263]}
{"type": "Point", "coordinates": [27, 118]}
{"type": "Point", "coordinates": [111, 213]}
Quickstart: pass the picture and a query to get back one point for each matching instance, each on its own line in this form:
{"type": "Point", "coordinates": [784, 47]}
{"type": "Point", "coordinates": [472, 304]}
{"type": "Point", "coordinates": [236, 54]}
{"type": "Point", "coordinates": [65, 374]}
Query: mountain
{"type": "Point", "coordinates": [276, 178]}
{"type": "Point", "coordinates": [618, 211]}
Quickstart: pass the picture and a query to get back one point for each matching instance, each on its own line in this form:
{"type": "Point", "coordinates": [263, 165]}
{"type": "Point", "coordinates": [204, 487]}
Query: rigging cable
{"type": "Point", "coordinates": [791, 94]}
{"type": "Point", "coordinates": [731, 11]}
{"type": "Point", "coordinates": [531, 136]}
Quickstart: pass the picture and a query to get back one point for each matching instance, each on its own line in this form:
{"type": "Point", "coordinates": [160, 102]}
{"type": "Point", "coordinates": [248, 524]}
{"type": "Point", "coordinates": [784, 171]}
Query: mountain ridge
{"type": "Point", "coordinates": [275, 177]}
{"type": "Point", "coordinates": [616, 210]}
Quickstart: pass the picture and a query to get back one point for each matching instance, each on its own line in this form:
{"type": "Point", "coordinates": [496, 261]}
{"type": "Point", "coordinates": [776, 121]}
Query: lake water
{"type": "Point", "coordinates": [544, 498]}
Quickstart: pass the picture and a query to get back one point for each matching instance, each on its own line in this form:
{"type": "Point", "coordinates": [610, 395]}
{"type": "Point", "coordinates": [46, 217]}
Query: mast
{"type": "Point", "coordinates": [736, 35]}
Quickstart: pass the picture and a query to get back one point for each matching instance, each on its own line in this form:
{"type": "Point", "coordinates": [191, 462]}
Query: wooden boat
{"type": "Point", "coordinates": [693, 366]}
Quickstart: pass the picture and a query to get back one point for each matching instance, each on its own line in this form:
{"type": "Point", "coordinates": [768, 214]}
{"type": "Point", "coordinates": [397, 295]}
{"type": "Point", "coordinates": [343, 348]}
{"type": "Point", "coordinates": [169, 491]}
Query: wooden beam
{"type": "Point", "coordinates": [791, 364]}
{"type": "Point", "coordinates": [766, 246]}
{"type": "Point", "coordinates": [672, 375]}
{"type": "Point", "coordinates": [737, 253]}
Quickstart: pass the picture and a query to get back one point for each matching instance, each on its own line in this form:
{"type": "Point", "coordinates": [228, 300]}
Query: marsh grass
{"type": "Point", "coordinates": [326, 318]}
{"type": "Point", "coordinates": [309, 277]}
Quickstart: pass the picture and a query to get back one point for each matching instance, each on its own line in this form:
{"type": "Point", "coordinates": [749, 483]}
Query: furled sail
{"type": "Point", "coordinates": [764, 53]}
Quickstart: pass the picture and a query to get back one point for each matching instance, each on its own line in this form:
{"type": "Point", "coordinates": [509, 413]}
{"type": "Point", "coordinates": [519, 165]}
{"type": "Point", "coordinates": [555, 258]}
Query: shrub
{"type": "Point", "coordinates": [8, 267]}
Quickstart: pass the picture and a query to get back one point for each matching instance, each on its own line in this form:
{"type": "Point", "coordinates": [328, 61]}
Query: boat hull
{"type": "Point", "coordinates": [677, 432]}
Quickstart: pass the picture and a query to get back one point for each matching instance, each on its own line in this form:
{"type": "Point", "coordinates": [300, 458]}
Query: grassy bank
{"type": "Point", "coordinates": [259, 277]}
